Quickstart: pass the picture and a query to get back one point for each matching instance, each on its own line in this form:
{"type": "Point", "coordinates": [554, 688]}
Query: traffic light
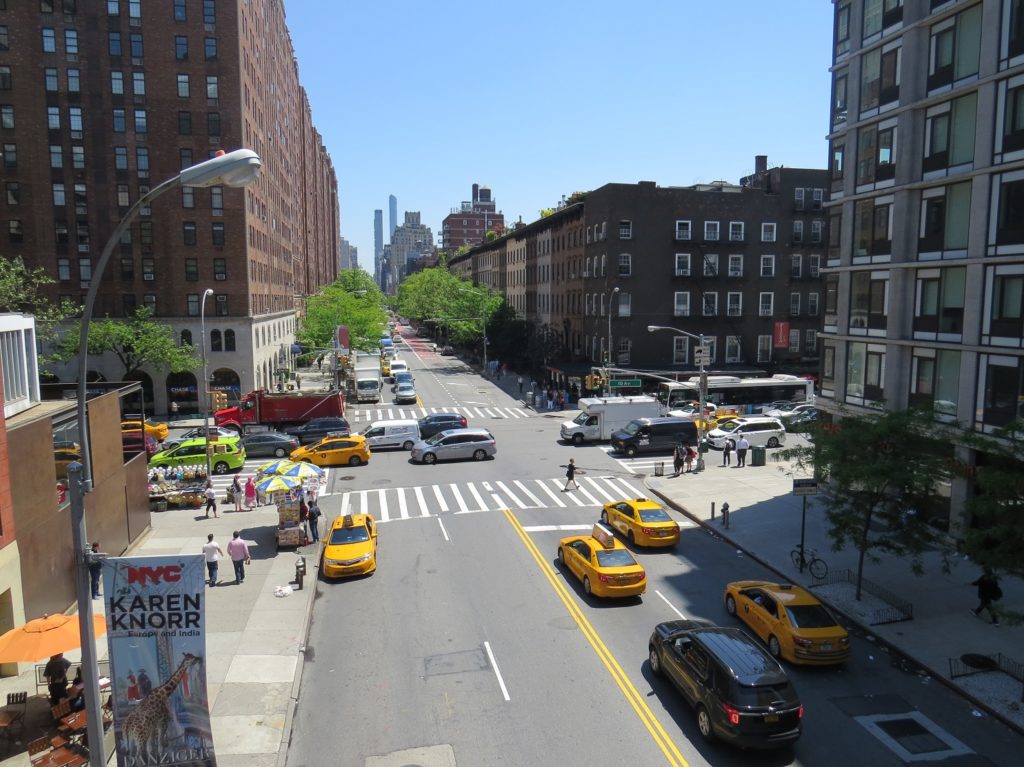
{"type": "Point", "coordinates": [218, 400]}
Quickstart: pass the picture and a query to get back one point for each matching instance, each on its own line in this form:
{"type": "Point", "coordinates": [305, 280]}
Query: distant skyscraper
{"type": "Point", "coordinates": [378, 242]}
{"type": "Point", "coordinates": [349, 255]}
{"type": "Point", "coordinates": [392, 215]}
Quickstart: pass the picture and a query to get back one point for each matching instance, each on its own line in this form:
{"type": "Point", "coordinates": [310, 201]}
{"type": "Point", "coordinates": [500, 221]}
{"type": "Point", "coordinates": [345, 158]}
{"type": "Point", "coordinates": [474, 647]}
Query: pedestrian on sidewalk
{"type": "Point", "coordinates": [298, 381]}
{"type": "Point", "coordinates": [570, 475]}
{"type": "Point", "coordinates": [213, 553]}
{"type": "Point", "coordinates": [727, 448]}
{"type": "Point", "coordinates": [211, 498]}
{"type": "Point", "coordinates": [689, 455]}
{"type": "Point", "coordinates": [304, 515]}
{"type": "Point", "coordinates": [174, 410]}
{"type": "Point", "coordinates": [95, 570]}
{"type": "Point", "coordinates": [989, 592]}
{"type": "Point", "coordinates": [520, 384]}
{"type": "Point", "coordinates": [742, 446]}
{"type": "Point", "coordinates": [237, 493]}
{"type": "Point", "coordinates": [238, 550]}
{"type": "Point", "coordinates": [250, 494]}
{"type": "Point", "coordinates": [314, 515]}
{"type": "Point", "coordinates": [677, 460]}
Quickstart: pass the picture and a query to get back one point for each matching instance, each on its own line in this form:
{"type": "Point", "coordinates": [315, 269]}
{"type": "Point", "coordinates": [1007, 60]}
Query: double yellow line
{"type": "Point", "coordinates": [632, 695]}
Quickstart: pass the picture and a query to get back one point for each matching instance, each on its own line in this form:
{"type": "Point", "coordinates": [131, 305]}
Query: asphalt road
{"type": "Point", "coordinates": [470, 646]}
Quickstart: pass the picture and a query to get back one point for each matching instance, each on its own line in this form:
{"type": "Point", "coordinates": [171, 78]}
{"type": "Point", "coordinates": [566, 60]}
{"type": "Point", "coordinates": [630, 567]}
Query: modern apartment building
{"type": "Point", "coordinates": [102, 101]}
{"type": "Point", "coordinates": [410, 244]}
{"type": "Point", "coordinates": [469, 223]}
{"type": "Point", "coordinates": [736, 262]}
{"type": "Point", "coordinates": [925, 267]}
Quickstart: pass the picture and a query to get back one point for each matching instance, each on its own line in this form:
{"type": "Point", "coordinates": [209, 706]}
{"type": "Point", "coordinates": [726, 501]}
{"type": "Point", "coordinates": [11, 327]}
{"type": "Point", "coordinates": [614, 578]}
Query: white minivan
{"type": "Point", "coordinates": [398, 365]}
{"type": "Point", "coordinates": [760, 431]}
{"type": "Point", "coordinates": [402, 433]}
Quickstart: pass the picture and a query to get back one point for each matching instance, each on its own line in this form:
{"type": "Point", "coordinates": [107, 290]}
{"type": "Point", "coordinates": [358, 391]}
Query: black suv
{"type": "Point", "coordinates": [317, 428]}
{"type": "Point", "coordinates": [438, 422]}
{"type": "Point", "coordinates": [740, 693]}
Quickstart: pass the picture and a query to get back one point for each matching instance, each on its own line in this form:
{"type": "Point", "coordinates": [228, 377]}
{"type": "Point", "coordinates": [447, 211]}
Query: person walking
{"type": "Point", "coordinates": [250, 494]}
{"type": "Point", "coordinates": [95, 570]}
{"type": "Point", "coordinates": [989, 592]}
{"type": "Point", "coordinates": [677, 459]}
{"type": "Point", "coordinates": [212, 552]}
{"type": "Point", "coordinates": [742, 446]}
{"type": "Point", "coordinates": [688, 456]}
{"type": "Point", "coordinates": [520, 384]}
{"type": "Point", "coordinates": [238, 550]}
{"type": "Point", "coordinates": [314, 514]}
{"type": "Point", "coordinates": [237, 493]}
{"type": "Point", "coordinates": [570, 475]}
{"type": "Point", "coordinates": [727, 448]}
{"type": "Point", "coordinates": [211, 498]}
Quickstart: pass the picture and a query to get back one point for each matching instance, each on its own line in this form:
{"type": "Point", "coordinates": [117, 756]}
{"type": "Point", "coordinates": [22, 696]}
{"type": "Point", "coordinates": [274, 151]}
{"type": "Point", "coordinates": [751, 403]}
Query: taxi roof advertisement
{"type": "Point", "coordinates": [156, 635]}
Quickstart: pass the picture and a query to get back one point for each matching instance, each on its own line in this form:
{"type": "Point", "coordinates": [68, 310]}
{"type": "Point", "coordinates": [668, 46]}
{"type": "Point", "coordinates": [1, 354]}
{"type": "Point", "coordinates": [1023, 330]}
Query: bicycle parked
{"type": "Point", "coordinates": [808, 558]}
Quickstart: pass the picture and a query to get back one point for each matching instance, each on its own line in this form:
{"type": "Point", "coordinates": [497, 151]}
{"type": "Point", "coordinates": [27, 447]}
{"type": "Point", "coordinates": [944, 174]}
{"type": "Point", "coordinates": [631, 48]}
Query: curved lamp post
{"type": "Point", "coordinates": [236, 169]}
{"type": "Point", "coordinates": [701, 358]}
{"type": "Point", "coordinates": [208, 405]}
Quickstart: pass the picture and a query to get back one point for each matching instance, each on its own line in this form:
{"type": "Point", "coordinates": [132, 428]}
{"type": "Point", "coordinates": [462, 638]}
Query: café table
{"type": "Point", "coordinates": [63, 757]}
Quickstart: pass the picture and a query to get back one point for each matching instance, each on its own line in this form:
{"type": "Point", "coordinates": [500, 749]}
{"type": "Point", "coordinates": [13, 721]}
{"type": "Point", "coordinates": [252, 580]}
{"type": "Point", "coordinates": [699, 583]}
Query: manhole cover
{"type": "Point", "coordinates": [912, 736]}
{"type": "Point", "coordinates": [347, 478]}
{"type": "Point", "coordinates": [980, 662]}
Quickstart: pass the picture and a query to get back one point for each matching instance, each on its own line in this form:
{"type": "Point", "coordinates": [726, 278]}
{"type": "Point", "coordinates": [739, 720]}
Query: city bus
{"type": "Point", "coordinates": [747, 395]}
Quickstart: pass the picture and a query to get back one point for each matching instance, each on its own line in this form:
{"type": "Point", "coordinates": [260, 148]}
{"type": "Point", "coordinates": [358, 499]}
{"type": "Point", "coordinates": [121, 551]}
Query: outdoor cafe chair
{"type": "Point", "coordinates": [17, 705]}
{"type": "Point", "coordinates": [61, 710]}
{"type": "Point", "coordinates": [38, 749]}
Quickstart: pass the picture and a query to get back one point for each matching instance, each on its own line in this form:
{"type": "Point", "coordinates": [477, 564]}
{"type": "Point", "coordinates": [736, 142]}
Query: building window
{"type": "Point", "coordinates": [873, 227]}
{"type": "Point", "coordinates": [60, 233]}
{"type": "Point", "coordinates": [732, 349]}
{"type": "Point", "coordinates": [734, 304]}
{"type": "Point", "coordinates": [64, 269]}
{"type": "Point", "coordinates": [795, 264]}
{"type": "Point", "coordinates": [184, 158]}
{"type": "Point", "coordinates": [180, 47]}
{"type": "Point", "coordinates": [682, 304]}
{"type": "Point", "coordinates": [711, 230]}
{"type": "Point", "coordinates": [869, 299]}
{"type": "Point", "coordinates": [142, 161]}
{"type": "Point", "coordinates": [15, 231]}
{"type": "Point", "coordinates": [1002, 390]}
{"type": "Point", "coordinates": [117, 83]}
{"type": "Point", "coordinates": [149, 269]}
{"type": "Point", "coordinates": [50, 80]}
{"type": "Point", "coordinates": [767, 266]}
{"type": "Point", "coordinates": [229, 340]}
{"type": "Point", "coordinates": [680, 350]}
{"type": "Point", "coordinates": [812, 304]}
{"type": "Point", "coordinates": [123, 198]}
{"type": "Point", "coordinates": [682, 268]}
{"type": "Point", "coordinates": [839, 107]}
{"type": "Point", "coordinates": [220, 269]}
{"type": "Point", "coordinates": [939, 300]}
{"type": "Point", "coordinates": [945, 218]}
{"type": "Point", "coordinates": [183, 89]}
{"type": "Point", "coordinates": [736, 233]}
{"type": "Point", "coordinates": [216, 343]}
{"type": "Point", "coordinates": [212, 87]}
{"type": "Point", "coordinates": [191, 269]}
{"type": "Point", "coordinates": [140, 121]}
{"type": "Point", "coordinates": [798, 232]}
{"type": "Point", "coordinates": [135, 45]}
{"type": "Point", "coordinates": [865, 372]}
{"type": "Point", "coordinates": [13, 193]}
{"type": "Point", "coordinates": [954, 49]}
{"type": "Point", "coordinates": [709, 303]}
{"type": "Point", "coordinates": [798, 198]}
{"type": "Point", "coordinates": [213, 124]}
{"type": "Point", "coordinates": [71, 42]}
{"type": "Point", "coordinates": [188, 230]}
{"type": "Point", "coordinates": [221, 303]}
{"type": "Point", "coordinates": [217, 233]}
{"type": "Point", "coordinates": [794, 305]}
{"type": "Point", "coordinates": [766, 304]}
{"type": "Point", "coordinates": [127, 268]}
{"type": "Point", "coordinates": [838, 160]}
{"type": "Point", "coordinates": [683, 230]}
{"type": "Point", "coordinates": [6, 81]}
{"type": "Point", "coordinates": [120, 157]}
{"type": "Point", "coordinates": [1008, 226]}
{"type": "Point", "coordinates": [114, 43]}
{"type": "Point", "coordinates": [876, 153]}
{"type": "Point", "coordinates": [767, 232]}
{"type": "Point", "coordinates": [935, 380]}
{"type": "Point", "coordinates": [711, 265]}
{"type": "Point", "coordinates": [764, 348]}
{"type": "Point", "coordinates": [794, 340]}
{"type": "Point", "coordinates": [49, 40]}
{"type": "Point", "coordinates": [52, 118]}
{"type": "Point", "coordinates": [10, 156]}
{"type": "Point", "coordinates": [180, 14]}
{"type": "Point", "coordinates": [817, 197]}
{"type": "Point", "coordinates": [146, 233]}
{"type": "Point", "coordinates": [210, 48]}
{"type": "Point", "coordinates": [735, 265]}
{"type": "Point", "coordinates": [817, 227]}
{"type": "Point", "coordinates": [5, 40]}
{"type": "Point", "coordinates": [149, 301]}
{"type": "Point", "coordinates": [625, 265]}
{"type": "Point", "coordinates": [120, 124]}
{"type": "Point", "coordinates": [949, 133]}
{"type": "Point", "coordinates": [185, 123]}
{"type": "Point", "coordinates": [842, 30]}
{"type": "Point", "coordinates": [192, 305]}
{"type": "Point", "coordinates": [139, 83]}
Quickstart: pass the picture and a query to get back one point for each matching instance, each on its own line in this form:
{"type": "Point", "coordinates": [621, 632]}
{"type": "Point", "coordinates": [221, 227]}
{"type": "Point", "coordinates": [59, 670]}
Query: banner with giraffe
{"type": "Point", "coordinates": [156, 637]}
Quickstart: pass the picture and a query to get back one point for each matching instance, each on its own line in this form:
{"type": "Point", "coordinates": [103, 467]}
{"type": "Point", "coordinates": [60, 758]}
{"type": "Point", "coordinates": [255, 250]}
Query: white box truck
{"type": "Point", "coordinates": [600, 416]}
{"type": "Point", "coordinates": [368, 385]}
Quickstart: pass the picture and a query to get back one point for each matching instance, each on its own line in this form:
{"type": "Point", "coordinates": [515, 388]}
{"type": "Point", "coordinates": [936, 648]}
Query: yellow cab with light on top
{"type": "Point", "coordinates": [641, 522]}
{"type": "Point", "coordinates": [794, 624]}
{"type": "Point", "coordinates": [603, 564]}
{"type": "Point", "coordinates": [350, 547]}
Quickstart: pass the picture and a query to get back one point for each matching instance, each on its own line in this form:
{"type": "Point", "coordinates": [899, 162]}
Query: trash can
{"type": "Point", "coordinates": [659, 469]}
{"type": "Point", "coordinates": [757, 456]}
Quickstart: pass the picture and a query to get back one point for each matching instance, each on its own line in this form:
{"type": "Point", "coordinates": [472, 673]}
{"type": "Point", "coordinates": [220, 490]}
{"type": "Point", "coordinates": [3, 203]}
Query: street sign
{"type": "Point", "coordinates": [624, 383]}
{"type": "Point", "coordinates": [701, 355]}
{"type": "Point", "coordinates": [805, 487]}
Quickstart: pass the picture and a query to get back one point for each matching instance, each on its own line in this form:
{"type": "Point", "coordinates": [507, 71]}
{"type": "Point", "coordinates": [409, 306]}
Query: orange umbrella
{"type": "Point", "coordinates": [43, 637]}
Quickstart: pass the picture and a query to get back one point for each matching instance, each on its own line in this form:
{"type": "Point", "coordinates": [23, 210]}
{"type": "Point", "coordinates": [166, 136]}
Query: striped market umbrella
{"type": "Point", "coordinates": [301, 470]}
{"type": "Point", "coordinates": [275, 467]}
{"type": "Point", "coordinates": [275, 483]}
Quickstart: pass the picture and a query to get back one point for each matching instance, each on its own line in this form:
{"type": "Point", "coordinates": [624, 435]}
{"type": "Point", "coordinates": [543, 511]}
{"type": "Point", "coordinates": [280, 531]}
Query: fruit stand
{"type": "Point", "coordinates": [178, 487]}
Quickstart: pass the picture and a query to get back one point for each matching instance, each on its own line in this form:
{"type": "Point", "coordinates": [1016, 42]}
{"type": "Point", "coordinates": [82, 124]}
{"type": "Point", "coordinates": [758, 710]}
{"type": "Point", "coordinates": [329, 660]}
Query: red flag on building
{"type": "Point", "coordinates": [781, 335]}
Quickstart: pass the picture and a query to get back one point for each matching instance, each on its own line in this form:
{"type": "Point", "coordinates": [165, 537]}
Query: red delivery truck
{"type": "Point", "coordinates": [279, 409]}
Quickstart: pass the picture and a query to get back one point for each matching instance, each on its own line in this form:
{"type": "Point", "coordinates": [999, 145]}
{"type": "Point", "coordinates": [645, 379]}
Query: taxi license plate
{"type": "Point", "coordinates": [771, 717]}
{"type": "Point", "coordinates": [826, 646]}
{"type": "Point", "coordinates": [662, 533]}
{"type": "Point", "coordinates": [625, 579]}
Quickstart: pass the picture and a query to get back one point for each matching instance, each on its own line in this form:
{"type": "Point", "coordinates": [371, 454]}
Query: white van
{"type": "Point", "coordinates": [402, 433]}
{"type": "Point", "coordinates": [760, 431]}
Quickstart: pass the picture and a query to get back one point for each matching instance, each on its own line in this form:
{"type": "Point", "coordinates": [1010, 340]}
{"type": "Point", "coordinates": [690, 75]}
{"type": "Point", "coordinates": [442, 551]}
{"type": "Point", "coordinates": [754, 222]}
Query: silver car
{"type": "Point", "coordinates": [456, 444]}
{"type": "Point", "coordinates": [405, 393]}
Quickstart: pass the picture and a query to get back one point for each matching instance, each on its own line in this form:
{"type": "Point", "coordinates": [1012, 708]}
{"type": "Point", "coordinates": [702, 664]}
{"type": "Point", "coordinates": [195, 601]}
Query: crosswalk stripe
{"type": "Point", "coordinates": [530, 495]}
{"type": "Point", "coordinates": [511, 495]}
{"type": "Point", "coordinates": [440, 498]}
{"type": "Point", "coordinates": [476, 495]}
{"type": "Point", "coordinates": [391, 414]}
{"type": "Point", "coordinates": [596, 487]}
{"type": "Point", "coordinates": [570, 493]}
{"type": "Point", "coordinates": [491, 414]}
{"type": "Point", "coordinates": [364, 507]}
{"type": "Point", "coordinates": [584, 492]}
{"type": "Point", "coordinates": [557, 501]}
{"type": "Point", "coordinates": [384, 516]}
{"type": "Point", "coordinates": [477, 412]}
{"type": "Point", "coordinates": [424, 511]}
{"type": "Point", "coordinates": [403, 509]}
{"type": "Point", "coordinates": [458, 498]}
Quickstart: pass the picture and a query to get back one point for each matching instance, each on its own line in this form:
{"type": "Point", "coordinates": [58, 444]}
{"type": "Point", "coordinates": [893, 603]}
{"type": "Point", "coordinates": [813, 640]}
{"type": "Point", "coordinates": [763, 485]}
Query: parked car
{"type": "Point", "coordinates": [652, 435]}
{"type": "Point", "coordinates": [456, 444]}
{"type": "Point", "coordinates": [437, 422]}
{"type": "Point", "coordinates": [406, 393]}
{"type": "Point", "coordinates": [229, 455]}
{"type": "Point", "coordinates": [739, 693]}
{"type": "Point", "coordinates": [801, 420]}
{"type": "Point", "coordinates": [401, 377]}
{"type": "Point", "coordinates": [218, 432]}
{"type": "Point", "coordinates": [318, 428]}
{"type": "Point", "coordinates": [348, 450]}
{"type": "Point", "coordinates": [403, 433]}
{"type": "Point", "coordinates": [135, 442]}
{"type": "Point", "coordinates": [447, 351]}
{"type": "Point", "coordinates": [789, 411]}
{"type": "Point", "coordinates": [269, 443]}
{"type": "Point", "coordinates": [760, 431]}
{"type": "Point", "coordinates": [157, 431]}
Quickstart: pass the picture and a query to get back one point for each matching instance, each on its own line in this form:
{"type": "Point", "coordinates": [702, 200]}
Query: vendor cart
{"type": "Point", "coordinates": [286, 493]}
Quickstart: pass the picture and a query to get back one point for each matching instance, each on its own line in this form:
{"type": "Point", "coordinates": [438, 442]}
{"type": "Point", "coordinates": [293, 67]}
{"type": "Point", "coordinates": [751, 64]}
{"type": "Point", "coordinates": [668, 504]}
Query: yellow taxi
{"type": "Point", "coordinates": [794, 624]}
{"type": "Point", "coordinates": [641, 522]}
{"type": "Point", "coordinates": [157, 431]}
{"type": "Point", "coordinates": [62, 457]}
{"type": "Point", "coordinates": [350, 547]}
{"type": "Point", "coordinates": [604, 565]}
{"type": "Point", "coordinates": [351, 450]}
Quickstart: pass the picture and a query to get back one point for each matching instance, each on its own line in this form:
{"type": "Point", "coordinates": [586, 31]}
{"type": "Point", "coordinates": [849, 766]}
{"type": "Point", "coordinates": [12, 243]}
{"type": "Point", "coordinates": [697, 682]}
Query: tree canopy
{"type": "Point", "coordinates": [353, 300]}
{"type": "Point", "coordinates": [456, 306]}
{"type": "Point", "coordinates": [21, 291]}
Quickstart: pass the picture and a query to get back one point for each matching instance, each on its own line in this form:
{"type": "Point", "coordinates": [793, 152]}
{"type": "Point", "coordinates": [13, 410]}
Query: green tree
{"type": "Point", "coordinates": [21, 290]}
{"type": "Point", "coordinates": [137, 342]}
{"type": "Point", "coordinates": [353, 300]}
{"type": "Point", "coordinates": [879, 475]}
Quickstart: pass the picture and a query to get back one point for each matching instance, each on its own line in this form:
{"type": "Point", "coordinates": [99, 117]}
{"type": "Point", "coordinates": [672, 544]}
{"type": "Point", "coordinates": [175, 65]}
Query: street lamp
{"type": "Point", "coordinates": [701, 359]}
{"type": "Point", "coordinates": [236, 169]}
{"type": "Point", "coordinates": [609, 363]}
{"type": "Point", "coordinates": [208, 405]}
{"type": "Point", "coordinates": [483, 320]}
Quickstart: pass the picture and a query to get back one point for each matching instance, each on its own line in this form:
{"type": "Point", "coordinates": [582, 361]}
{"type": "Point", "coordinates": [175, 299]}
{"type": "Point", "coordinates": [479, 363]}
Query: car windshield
{"type": "Point", "coordinates": [343, 535]}
{"type": "Point", "coordinates": [730, 427]}
{"type": "Point", "coordinates": [764, 694]}
{"type": "Point", "coordinates": [810, 617]}
{"type": "Point", "coordinates": [654, 515]}
{"type": "Point", "coordinates": [614, 558]}
{"type": "Point", "coordinates": [436, 438]}
{"type": "Point", "coordinates": [631, 428]}
{"type": "Point", "coordinates": [581, 419]}
{"type": "Point", "coordinates": [367, 385]}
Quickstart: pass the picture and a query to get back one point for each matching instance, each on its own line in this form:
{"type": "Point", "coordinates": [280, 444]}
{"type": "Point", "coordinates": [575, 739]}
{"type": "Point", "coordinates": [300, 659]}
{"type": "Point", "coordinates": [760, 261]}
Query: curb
{"type": "Point", "coordinates": [890, 648]}
{"type": "Point", "coordinates": [293, 697]}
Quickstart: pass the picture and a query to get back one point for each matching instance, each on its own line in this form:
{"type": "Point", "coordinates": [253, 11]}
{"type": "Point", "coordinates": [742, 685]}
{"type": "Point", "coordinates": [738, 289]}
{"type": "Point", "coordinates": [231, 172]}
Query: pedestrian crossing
{"type": "Point", "coordinates": [641, 465]}
{"type": "Point", "coordinates": [402, 503]}
{"type": "Point", "coordinates": [370, 414]}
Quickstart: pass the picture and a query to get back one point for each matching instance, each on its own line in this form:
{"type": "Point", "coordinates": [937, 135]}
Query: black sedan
{"type": "Point", "coordinates": [318, 428]}
{"type": "Point", "coordinates": [269, 444]}
{"type": "Point", "coordinates": [438, 422]}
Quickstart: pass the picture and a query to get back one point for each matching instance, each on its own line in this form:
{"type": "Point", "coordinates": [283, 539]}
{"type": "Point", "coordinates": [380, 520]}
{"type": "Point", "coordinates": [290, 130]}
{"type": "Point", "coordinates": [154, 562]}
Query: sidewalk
{"type": "Point", "coordinates": [765, 524]}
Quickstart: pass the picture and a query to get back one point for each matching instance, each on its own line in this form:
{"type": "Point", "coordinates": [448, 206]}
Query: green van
{"type": "Point", "coordinates": [228, 455]}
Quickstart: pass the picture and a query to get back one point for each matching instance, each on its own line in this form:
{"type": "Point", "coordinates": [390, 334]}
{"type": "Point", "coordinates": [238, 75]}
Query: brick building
{"type": "Point", "coordinates": [101, 102]}
{"type": "Point", "coordinates": [469, 223]}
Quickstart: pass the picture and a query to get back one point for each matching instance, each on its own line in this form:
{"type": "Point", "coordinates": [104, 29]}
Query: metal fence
{"type": "Point", "coordinates": [897, 609]}
{"type": "Point", "coordinates": [999, 662]}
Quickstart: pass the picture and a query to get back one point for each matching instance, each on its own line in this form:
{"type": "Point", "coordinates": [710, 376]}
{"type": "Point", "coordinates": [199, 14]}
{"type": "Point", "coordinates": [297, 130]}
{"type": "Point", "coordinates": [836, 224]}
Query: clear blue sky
{"type": "Point", "coordinates": [424, 98]}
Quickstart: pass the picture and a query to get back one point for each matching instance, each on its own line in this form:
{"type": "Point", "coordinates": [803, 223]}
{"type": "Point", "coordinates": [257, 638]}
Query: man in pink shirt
{"type": "Point", "coordinates": [239, 553]}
